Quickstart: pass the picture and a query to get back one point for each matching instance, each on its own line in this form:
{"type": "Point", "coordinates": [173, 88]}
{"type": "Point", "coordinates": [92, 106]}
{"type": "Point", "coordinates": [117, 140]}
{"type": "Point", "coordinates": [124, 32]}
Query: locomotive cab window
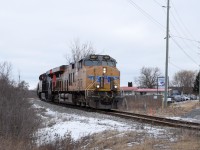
{"type": "Point", "coordinates": [108, 63]}
{"type": "Point", "coordinates": [92, 63]}
{"type": "Point", "coordinates": [99, 63]}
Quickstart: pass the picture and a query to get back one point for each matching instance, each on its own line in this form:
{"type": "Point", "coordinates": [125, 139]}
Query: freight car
{"type": "Point", "coordinates": [93, 81]}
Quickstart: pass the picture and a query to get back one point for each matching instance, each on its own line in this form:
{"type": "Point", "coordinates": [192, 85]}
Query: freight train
{"type": "Point", "coordinates": [93, 81]}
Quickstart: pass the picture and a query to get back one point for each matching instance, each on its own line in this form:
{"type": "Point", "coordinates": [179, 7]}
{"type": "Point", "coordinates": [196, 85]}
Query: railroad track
{"type": "Point", "coordinates": [154, 120]}
{"type": "Point", "coordinates": [140, 117]}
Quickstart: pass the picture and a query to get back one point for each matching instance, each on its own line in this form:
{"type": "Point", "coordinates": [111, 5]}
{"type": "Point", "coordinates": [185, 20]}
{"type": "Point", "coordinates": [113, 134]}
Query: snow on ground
{"type": "Point", "coordinates": [59, 123]}
{"type": "Point", "coordinates": [185, 119]}
{"type": "Point", "coordinates": [79, 126]}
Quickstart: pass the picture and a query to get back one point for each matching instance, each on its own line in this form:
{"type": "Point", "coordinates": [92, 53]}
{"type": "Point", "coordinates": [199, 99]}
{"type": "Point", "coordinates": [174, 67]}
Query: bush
{"type": "Point", "coordinates": [18, 121]}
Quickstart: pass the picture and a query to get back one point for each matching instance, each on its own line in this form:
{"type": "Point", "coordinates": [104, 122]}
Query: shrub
{"type": "Point", "coordinates": [18, 121]}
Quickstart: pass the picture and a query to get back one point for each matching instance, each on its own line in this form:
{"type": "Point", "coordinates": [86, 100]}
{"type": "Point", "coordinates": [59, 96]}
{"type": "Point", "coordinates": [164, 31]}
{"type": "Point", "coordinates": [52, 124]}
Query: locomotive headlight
{"type": "Point", "coordinates": [115, 86]}
{"type": "Point", "coordinates": [104, 70]}
{"type": "Point", "coordinates": [98, 86]}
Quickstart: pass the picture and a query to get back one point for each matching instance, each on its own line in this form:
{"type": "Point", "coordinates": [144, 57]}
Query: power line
{"type": "Point", "coordinates": [182, 30]}
{"type": "Point", "coordinates": [184, 51]}
{"type": "Point", "coordinates": [192, 40]}
{"type": "Point", "coordinates": [186, 44]}
{"type": "Point", "coordinates": [176, 66]}
{"type": "Point", "coordinates": [179, 35]}
{"type": "Point", "coordinates": [161, 5]}
{"type": "Point", "coordinates": [182, 21]}
{"type": "Point", "coordinates": [179, 24]}
{"type": "Point", "coordinates": [146, 14]}
{"type": "Point", "coordinates": [158, 3]}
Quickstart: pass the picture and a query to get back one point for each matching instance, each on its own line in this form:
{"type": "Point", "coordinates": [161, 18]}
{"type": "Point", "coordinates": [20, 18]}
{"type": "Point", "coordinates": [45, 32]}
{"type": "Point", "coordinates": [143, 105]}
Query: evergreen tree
{"type": "Point", "coordinates": [196, 84]}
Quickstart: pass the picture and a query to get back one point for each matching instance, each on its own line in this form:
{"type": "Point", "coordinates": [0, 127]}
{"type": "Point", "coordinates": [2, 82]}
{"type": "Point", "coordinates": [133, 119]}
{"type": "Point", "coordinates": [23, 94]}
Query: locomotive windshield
{"type": "Point", "coordinates": [100, 63]}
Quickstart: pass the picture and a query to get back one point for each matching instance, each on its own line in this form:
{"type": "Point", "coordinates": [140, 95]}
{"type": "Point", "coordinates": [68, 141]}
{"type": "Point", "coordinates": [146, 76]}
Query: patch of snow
{"type": "Point", "coordinates": [58, 124]}
{"type": "Point", "coordinates": [78, 126]}
{"type": "Point", "coordinates": [185, 119]}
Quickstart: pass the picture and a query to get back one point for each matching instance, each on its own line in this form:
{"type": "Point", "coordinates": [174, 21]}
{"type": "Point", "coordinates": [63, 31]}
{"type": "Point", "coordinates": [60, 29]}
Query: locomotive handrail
{"type": "Point", "coordinates": [86, 90]}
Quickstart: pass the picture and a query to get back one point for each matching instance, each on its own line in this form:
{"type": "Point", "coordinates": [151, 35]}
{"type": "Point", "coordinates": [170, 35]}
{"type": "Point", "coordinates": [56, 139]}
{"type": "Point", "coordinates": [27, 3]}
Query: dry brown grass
{"type": "Point", "coordinates": [188, 140]}
{"type": "Point", "coordinates": [190, 144]}
{"type": "Point", "coordinates": [13, 144]}
{"type": "Point", "coordinates": [148, 105]}
{"type": "Point", "coordinates": [123, 141]}
{"type": "Point", "coordinates": [183, 139]}
{"type": "Point", "coordinates": [113, 140]}
{"type": "Point", "coordinates": [178, 109]}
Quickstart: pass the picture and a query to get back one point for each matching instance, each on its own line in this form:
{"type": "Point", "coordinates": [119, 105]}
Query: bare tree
{"type": "Point", "coordinates": [196, 84]}
{"type": "Point", "coordinates": [23, 85]}
{"type": "Point", "coordinates": [15, 109]}
{"type": "Point", "coordinates": [5, 71]}
{"type": "Point", "coordinates": [184, 80]}
{"type": "Point", "coordinates": [148, 77]}
{"type": "Point", "coordinates": [79, 50]}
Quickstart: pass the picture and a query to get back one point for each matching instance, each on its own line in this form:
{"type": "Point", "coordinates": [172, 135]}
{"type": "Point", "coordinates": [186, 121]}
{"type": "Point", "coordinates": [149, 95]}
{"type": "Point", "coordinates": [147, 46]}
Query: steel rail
{"type": "Point", "coordinates": [154, 120]}
{"type": "Point", "coordinates": [139, 117]}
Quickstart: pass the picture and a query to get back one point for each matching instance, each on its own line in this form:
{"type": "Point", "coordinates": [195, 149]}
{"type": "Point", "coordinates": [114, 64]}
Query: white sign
{"type": "Point", "coordinates": [161, 82]}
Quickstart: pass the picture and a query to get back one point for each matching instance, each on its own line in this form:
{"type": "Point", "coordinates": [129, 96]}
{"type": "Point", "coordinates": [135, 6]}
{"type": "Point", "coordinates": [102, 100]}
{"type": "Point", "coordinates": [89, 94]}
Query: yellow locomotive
{"type": "Point", "coordinates": [93, 81]}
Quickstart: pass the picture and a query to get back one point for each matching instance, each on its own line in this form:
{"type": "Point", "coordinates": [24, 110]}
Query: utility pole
{"type": "Point", "coordinates": [167, 53]}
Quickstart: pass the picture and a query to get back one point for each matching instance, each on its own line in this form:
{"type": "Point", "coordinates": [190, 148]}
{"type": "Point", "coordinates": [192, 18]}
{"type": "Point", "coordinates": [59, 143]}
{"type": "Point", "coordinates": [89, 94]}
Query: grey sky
{"type": "Point", "coordinates": [36, 34]}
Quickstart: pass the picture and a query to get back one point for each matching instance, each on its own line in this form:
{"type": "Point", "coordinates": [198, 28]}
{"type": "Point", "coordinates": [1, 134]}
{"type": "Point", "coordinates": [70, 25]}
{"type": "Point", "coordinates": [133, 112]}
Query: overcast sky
{"type": "Point", "coordinates": [35, 35]}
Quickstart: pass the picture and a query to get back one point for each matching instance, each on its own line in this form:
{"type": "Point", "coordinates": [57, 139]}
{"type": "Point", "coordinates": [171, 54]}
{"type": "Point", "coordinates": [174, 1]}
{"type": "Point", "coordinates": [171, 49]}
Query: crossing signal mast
{"type": "Point", "coordinates": [167, 56]}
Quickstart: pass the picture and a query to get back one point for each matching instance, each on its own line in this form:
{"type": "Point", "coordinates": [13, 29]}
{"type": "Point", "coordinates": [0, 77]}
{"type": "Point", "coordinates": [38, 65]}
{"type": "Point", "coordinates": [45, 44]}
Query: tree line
{"type": "Point", "coordinates": [185, 80]}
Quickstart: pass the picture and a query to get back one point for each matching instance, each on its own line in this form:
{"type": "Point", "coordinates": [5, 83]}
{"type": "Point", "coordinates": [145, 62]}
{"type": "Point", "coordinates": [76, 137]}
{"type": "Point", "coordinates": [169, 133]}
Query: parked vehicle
{"type": "Point", "coordinates": [192, 97]}
{"type": "Point", "coordinates": [184, 98]}
{"type": "Point", "coordinates": [170, 100]}
{"type": "Point", "coordinates": [177, 98]}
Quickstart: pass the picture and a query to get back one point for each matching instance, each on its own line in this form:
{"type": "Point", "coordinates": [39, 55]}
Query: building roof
{"type": "Point", "coordinates": [126, 88]}
{"type": "Point", "coordinates": [135, 89]}
{"type": "Point", "coordinates": [150, 90]}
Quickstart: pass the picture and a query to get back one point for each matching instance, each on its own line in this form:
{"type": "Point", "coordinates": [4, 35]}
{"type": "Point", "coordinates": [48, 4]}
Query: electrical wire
{"type": "Point", "coordinates": [146, 14]}
{"type": "Point", "coordinates": [179, 68]}
{"type": "Point", "coordinates": [185, 38]}
{"type": "Point", "coordinates": [179, 34]}
{"type": "Point", "coordinates": [182, 20]}
{"type": "Point", "coordinates": [181, 30]}
{"type": "Point", "coordinates": [184, 51]}
{"type": "Point", "coordinates": [158, 3]}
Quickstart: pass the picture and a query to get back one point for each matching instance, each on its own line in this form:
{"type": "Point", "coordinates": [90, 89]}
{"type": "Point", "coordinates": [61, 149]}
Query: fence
{"type": "Point", "coordinates": [147, 104]}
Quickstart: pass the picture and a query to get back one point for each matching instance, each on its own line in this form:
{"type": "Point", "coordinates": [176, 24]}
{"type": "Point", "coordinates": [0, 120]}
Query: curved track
{"type": "Point", "coordinates": [154, 120]}
{"type": "Point", "coordinates": [140, 117]}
